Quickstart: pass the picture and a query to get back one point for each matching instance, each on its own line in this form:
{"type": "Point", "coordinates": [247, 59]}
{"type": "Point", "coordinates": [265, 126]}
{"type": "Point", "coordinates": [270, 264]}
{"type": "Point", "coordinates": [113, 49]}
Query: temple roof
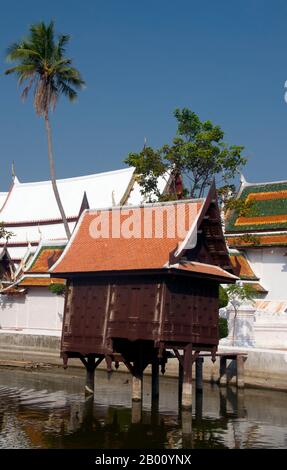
{"type": "Point", "coordinates": [267, 208]}
{"type": "Point", "coordinates": [35, 266]}
{"type": "Point", "coordinates": [258, 240]}
{"type": "Point", "coordinates": [3, 197]}
{"type": "Point", "coordinates": [39, 281]}
{"type": "Point", "coordinates": [242, 268]}
{"type": "Point", "coordinates": [122, 251]}
{"type": "Point", "coordinates": [46, 255]}
{"type": "Point", "coordinates": [30, 211]}
{"type": "Point", "coordinates": [257, 287]}
{"type": "Point", "coordinates": [34, 202]}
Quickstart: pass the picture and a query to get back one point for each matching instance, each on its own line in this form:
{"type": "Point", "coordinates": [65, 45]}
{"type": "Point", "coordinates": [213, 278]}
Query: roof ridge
{"type": "Point", "coordinates": [145, 205]}
{"type": "Point", "coordinates": [247, 184]}
{"type": "Point", "coordinates": [75, 178]}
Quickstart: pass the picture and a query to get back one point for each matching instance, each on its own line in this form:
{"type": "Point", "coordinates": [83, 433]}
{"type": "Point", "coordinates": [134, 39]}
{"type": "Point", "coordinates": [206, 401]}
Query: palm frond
{"type": "Point", "coordinates": [41, 63]}
{"type": "Point", "coordinates": [67, 90]}
{"type": "Point", "coordinates": [20, 52]}
{"type": "Point", "coordinates": [62, 42]}
{"type": "Point", "coordinates": [27, 88]}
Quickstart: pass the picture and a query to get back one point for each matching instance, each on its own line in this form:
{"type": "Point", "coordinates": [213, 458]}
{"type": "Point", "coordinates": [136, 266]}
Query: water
{"type": "Point", "coordinates": [47, 409]}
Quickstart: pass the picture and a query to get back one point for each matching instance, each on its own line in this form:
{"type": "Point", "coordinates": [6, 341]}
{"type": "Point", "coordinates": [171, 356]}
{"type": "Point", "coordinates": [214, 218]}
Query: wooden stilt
{"type": "Point", "coordinates": [198, 404]}
{"type": "Point", "coordinates": [155, 418]}
{"type": "Point", "coordinates": [136, 412]}
{"type": "Point", "coordinates": [88, 412]}
{"type": "Point", "coordinates": [180, 382]}
{"type": "Point", "coordinates": [222, 401]}
{"type": "Point", "coordinates": [155, 380]}
{"type": "Point", "coordinates": [186, 422]}
{"type": "Point", "coordinates": [198, 373]}
{"type": "Point", "coordinates": [223, 372]}
{"type": "Point", "coordinates": [90, 375]}
{"type": "Point", "coordinates": [186, 401]}
{"type": "Point", "coordinates": [240, 371]}
{"type": "Point", "coordinates": [137, 387]}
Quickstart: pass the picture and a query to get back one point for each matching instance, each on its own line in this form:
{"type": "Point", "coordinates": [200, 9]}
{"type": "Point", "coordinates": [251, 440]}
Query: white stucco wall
{"type": "Point", "coordinates": [270, 265]}
{"type": "Point", "coordinates": [37, 312]}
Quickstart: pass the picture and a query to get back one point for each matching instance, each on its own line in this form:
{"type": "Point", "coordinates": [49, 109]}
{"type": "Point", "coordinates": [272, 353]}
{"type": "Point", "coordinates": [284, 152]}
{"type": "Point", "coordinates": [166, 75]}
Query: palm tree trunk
{"type": "Point", "coordinates": [53, 177]}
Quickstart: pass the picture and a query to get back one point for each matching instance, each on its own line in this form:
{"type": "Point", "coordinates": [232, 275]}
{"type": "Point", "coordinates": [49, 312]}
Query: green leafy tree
{"type": "Point", "coordinates": [4, 233]}
{"type": "Point", "coordinates": [223, 297]}
{"type": "Point", "coordinates": [42, 65]}
{"type": "Point", "coordinates": [222, 322]}
{"type": "Point", "coordinates": [58, 289]}
{"type": "Point", "coordinates": [198, 153]}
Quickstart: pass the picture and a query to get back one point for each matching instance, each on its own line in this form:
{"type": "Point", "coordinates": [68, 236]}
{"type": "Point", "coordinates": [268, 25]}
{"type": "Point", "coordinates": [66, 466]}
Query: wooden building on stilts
{"type": "Point", "coordinates": [142, 281]}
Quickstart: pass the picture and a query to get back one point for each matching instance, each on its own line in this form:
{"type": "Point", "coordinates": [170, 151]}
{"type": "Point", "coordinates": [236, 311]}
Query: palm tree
{"type": "Point", "coordinates": [41, 65]}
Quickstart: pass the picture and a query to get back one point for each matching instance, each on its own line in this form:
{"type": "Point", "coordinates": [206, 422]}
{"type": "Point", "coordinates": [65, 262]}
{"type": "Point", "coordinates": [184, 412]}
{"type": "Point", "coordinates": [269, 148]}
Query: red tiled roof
{"type": "Point", "coordinates": [209, 269]}
{"type": "Point", "coordinates": [40, 281]}
{"type": "Point", "coordinates": [87, 254]}
{"type": "Point", "coordinates": [242, 268]}
{"type": "Point", "coordinates": [257, 287]}
{"type": "Point", "coordinates": [13, 291]}
{"type": "Point", "coordinates": [258, 240]}
{"type": "Point", "coordinates": [45, 259]}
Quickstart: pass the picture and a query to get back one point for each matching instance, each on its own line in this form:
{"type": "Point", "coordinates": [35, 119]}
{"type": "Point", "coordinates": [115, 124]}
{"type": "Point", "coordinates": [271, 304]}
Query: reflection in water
{"type": "Point", "coordinates": [41, 410]}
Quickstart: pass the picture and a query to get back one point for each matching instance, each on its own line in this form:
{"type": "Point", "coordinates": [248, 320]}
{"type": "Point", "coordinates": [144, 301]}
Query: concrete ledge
{"type": "Point", "coordinates": [263, 368]}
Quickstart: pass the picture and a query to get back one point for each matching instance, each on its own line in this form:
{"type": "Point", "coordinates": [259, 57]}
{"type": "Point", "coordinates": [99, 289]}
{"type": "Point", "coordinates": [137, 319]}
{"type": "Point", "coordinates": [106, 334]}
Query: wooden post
{"type": "Point", "coordinates": [137, 380]}
{"type": "Point", "coordinates": [222, 371]}
{"type": "Point", "coordinates": [186, 423]}
{"type": "Point", "coordinates": [90, 375]}
{"type": "Point", "coordinates": [136, 412]}
{"type": "Point", "coordinates": [198, 373]}
{"type": "Point", "coordinates": [137, 387]}
{"type": "Point", "coordinates": [198, 404]}
{"type": "Point", "coordinates": [222, 400]}
{"type": "Point", "coordinates": [180, 381]}
{"type": "Point", "coordinates": [155, 418]}
{"type": "Point", "coordinates": [155, 380]}
{"type": "Point", "coordinates": [186, 401]}
{"type": "Point", "coordinates": [240, 371]}
{"type": "Point", "coordinates": [88, 413]}
{"type": "Point", "coordinates": [137, 393]}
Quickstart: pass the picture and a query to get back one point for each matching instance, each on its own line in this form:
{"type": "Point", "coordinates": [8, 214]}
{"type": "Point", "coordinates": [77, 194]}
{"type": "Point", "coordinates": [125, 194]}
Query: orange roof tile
{"type": "Point", "coordinates": [257, 287]}
{"type": "Point", "coordinates": [40, 281]}
{"type": "Point", "coordinates": [267, 208]}
{"type": "Point", "coordinates": [257, 220]}
{"type": "Point", "coordinates": [241, 267]}
{"type": "Point", "coordinates": [87, 254]}
{"type": "Point", "coordinates": [46, 258]}
{"type": "Point", "coordinates": [258, 240]}
{"type": "Point", "coordinates": [208, 269]}
{"type": "Point", "coordinates": [116, 252]}
{"type": "Point", "coordinates": [13, 291]}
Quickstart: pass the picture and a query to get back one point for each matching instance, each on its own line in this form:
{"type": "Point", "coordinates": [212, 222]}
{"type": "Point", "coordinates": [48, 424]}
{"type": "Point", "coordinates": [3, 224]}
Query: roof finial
{"type": "Point", "coordinates": [40, 233]}
{"type": "Point", "coordinates": [242, 179]}
{"type": "Point", "coordinates": [113, 198]}
{"type": "Point", "coordinates": [14, 177]}
{"type": "Point", "coordinates": [145, 142]}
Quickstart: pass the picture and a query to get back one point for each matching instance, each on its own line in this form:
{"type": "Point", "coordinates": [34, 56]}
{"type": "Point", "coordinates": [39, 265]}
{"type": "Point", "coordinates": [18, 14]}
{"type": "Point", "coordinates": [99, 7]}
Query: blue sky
{"type": "Point", "coordinates": [225, 59]}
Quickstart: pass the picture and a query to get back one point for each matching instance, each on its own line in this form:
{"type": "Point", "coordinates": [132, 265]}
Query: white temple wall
{"type": "Point", "coordinates": [270, 265]}
{"type": "Point", "coordinates": [255, 328]}
{"type": "Point", "coordinates": [39, 312]}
